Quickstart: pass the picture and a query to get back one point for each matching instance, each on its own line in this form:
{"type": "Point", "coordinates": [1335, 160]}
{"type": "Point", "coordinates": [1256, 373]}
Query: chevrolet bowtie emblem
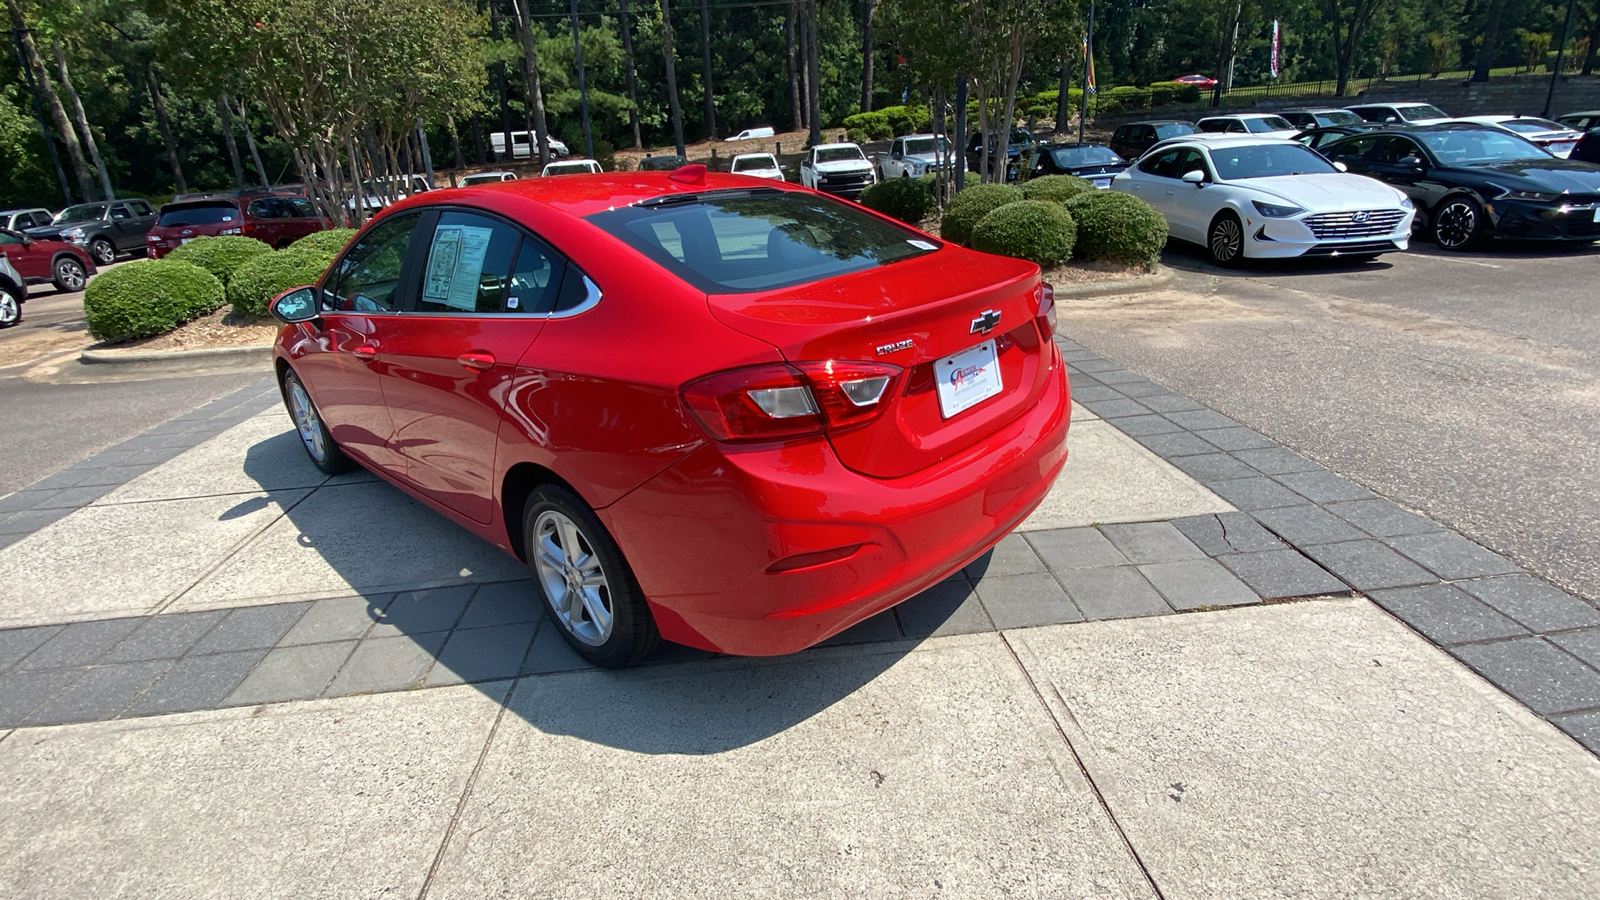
{"type": "Point", "coordinates": [985, 322]}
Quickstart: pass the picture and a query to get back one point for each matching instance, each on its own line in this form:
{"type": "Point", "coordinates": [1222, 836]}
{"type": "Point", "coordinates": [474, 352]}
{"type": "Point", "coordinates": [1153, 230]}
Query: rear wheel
{"type": "Point", "coordinates": [1457, 223]}
{"type": "Point", "coordinates": [589, 591]}
{"type": "Point", "coordinates": [1226, 239]}
{"type": "Point", "coordinates": [68, 274]}
{"type": "Point", "coordinates": [103, 252]}
{"type": "Point", "coordinates": [10, 307]}
{"type": "Point", "coordinates": [314, 435]}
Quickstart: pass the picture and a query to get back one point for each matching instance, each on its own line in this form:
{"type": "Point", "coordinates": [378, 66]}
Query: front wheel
{"type": "Point", "coordinates": [69, 274]}
{"type": "Point", "coordinates": [1457, 223]}
{"type": "Point", "coordinates": [589, 591]}
{"type": "Point", "coordinates": [103, 252]}
{"type": "Point", "coordinates": [314, 435]}
{"type": "Point", "coordinates": [10, 308]}
{"type": "Point", "coordinates": [1226, 239]}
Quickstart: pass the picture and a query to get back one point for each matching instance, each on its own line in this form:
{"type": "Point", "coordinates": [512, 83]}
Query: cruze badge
{"type": "Point", "coordinates": [985, 322]}
{"type": "Point", "coordinates": [896, 347]}
{"type": "Point", "coordinates": [1361, 216]}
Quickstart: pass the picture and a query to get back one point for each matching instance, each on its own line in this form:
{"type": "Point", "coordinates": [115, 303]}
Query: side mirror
{"type": "Point", "coordinates": [1413, 162]}
{"type": "Point", "coordinates": [297, 305]}
{"type": "Point", "coordinates": [1341, 167]}
{"type": "Point", "coordinates": [1195, 177]}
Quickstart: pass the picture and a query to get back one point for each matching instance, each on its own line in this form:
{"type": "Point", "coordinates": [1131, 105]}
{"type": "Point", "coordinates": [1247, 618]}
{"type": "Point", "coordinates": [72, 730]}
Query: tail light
{"type": "Point", "coordinates": [1046, 295]}
{"type": "Point", "coordinates": [782, 401]}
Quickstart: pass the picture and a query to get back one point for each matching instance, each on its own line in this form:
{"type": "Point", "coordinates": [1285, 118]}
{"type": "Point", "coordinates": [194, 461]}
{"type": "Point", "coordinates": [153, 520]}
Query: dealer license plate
{"type": "Point", "coordinates": [967, 378]}
{"type": "Point", "coordinates": [1102, 183]}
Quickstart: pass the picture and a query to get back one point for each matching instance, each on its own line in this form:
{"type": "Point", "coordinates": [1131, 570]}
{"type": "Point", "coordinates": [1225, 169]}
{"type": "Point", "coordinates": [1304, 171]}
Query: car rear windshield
{"type": "Point", "coordinates": [1073, 157]}
{"type": "Point", "coordinates": [1337, 117]}
{"type": "Point", "coordinates": [1174, 129]}
{"type": "Point", "coordinates": [1266, 160]}
{"type": "Point", "coordinates": [1420, 111]}
{"type": "Point", "coordinates": [1531, 125]}
{"type": "Point", "coordinates": [83, 212]}
{"type": "Point", "coordinates": [1268, 123]}
{"type": "Point", "coordinates": [736, 241]}
{"type": "Point", "coordinates": [926, 145]}
{"type": "Point", "coordinates": [198, 214]}
{"type": "Point", "coordinates": [1479, 145]}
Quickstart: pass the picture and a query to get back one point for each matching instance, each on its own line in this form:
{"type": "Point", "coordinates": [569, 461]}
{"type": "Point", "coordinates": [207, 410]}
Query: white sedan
{"type": "Point", "coordinates": [1553, 137]}
{"type": "Point", "coordinates": [1263, 197]}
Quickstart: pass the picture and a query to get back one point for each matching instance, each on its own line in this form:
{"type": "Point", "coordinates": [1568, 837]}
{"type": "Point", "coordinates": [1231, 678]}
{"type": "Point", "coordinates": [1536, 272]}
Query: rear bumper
{"type": "Point", "coordinates": [768, 550]}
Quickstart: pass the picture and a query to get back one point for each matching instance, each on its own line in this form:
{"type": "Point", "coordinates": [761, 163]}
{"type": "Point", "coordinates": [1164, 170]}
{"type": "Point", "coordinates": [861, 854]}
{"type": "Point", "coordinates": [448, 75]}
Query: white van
{"type": "Point", "coordinates": [764, 131]}
{"type": "Point", "coordinates": [522, 145]}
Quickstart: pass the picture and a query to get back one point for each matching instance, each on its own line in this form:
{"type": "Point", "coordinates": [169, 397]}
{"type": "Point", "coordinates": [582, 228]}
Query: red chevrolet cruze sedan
{"type": "Point", "coordinates": [727, 412]}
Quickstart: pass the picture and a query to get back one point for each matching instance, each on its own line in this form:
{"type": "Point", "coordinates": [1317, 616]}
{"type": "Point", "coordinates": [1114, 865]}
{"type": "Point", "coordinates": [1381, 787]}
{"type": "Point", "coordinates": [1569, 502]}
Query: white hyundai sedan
{"type": "Point", "coordinates": [1247, 196]}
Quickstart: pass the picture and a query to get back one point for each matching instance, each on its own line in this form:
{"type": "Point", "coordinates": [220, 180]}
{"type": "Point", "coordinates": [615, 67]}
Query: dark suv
{"type": "Point", "coordinates": [1130, 141]}
{"type": "Point", "coordinates": [1021, 141]}
{"type": "Point", "coordinates": [277, 220]}
{"type": "Point", "coordinates": [105, 228]}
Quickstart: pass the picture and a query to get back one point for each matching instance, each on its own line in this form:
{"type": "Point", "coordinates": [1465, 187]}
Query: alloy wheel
{"type": "Point", "coordinates": [10, 311]}
{"type": "Point", "coordinates": [306, 420]}
{"type": "Point", "coordinates": [104, 253]}
{"type": "Point", "coordinates": [1227, 240]}
{"type": "Point", "coordinates": [573, 578]}
{"type": "Point", "coordinates": [1454, 224]}
{"type": "Point", "coordinates": [69, 275]}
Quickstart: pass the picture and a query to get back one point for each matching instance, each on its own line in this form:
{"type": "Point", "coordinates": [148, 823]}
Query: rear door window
{"type": "Point", "coordinates": [198, 214]}
{"type": "Point", "coordinates": [468, 265]}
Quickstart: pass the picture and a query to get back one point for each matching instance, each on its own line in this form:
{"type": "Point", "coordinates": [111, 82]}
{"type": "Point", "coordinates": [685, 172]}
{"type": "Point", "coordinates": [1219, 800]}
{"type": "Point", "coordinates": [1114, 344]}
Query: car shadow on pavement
{"type": "Point", "coordinates": [1193, 258]}
{"type": "Point", "coordinates": [489, 626]}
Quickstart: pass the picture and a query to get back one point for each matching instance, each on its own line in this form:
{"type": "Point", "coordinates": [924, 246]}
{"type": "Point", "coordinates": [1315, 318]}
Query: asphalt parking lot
{"type": "Point", "coordinates": [1466, 386]}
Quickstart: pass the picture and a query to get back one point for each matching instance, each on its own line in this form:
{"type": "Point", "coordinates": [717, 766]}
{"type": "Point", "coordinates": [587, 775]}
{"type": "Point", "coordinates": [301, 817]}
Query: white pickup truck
{"type": "Point", "coordinates": [838, 169]}
{"type": "Point", "coordinates": [914, 156]}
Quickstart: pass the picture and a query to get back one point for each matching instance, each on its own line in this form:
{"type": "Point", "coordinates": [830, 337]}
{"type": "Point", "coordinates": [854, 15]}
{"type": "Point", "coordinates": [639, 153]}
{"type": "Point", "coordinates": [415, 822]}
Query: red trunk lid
{"type": "Point", "coordinates": [911, 314]}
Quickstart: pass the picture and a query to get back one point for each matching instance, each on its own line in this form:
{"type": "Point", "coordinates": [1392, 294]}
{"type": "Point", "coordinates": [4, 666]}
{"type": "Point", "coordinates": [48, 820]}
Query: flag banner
{"type": "Point", "coordinates": [1274, 48]}
{"type": "Point", "coordinates": [1088, 68]}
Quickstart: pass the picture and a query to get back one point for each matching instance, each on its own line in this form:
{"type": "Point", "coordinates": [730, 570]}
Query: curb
{"type": "Point", "coordinates": [1155, 281]}
{"type": "Point", "coordinates": [248, 354]}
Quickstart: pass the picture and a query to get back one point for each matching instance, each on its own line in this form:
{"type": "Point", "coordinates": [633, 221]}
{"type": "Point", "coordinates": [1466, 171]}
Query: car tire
{"type": "Point", "coordinates": [68, 274]}
{"type": "Point", "coordinates": [103, 251]}
{"type": "Point", "coordinates": [313, 432]}
{"type": "Point", "coordinates": [1225, 239]}
{"type": "Point", "coordinates": [10, 307]}
{"type": "Point", "coordinates": [1456, 223]}
{"type": "Point", "coordinates": [588, 589]}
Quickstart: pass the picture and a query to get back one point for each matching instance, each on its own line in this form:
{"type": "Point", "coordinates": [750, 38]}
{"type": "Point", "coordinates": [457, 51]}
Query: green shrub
{"type": "Point", "coordinates": [221, 254]}
{"type": "Point", "coordinates": [1035, 230]}
{"type": "Point", "coordinates": [330, 241]}
{"type": "Point", "coordinates": [907, 199]}
{"type": "Point", "coordinates": [972, 204]}
{"type": "Point", "coordinates": [868, 126]}
{"type": "Point", "coordinates": [1117, 227]}
{"type": "Point", "coordinates": [148, 297]}
{"type": "Point", "coordinates": [1055, 188]}
{"type": "Point", "coordinates": [265, 277]}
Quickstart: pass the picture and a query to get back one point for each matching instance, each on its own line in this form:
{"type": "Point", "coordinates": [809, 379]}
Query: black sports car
{"type": "Point", "coordinates": [1471, 181]}
{"type": "Point", "coordinates": [1091, 161]}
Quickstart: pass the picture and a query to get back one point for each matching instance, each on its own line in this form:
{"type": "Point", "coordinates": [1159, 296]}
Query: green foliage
{"type": "Point", "coordinates": [1055, 188]}
{"type": "Point", "coordinates": [972, 204]}
{"type": "Point", "coordinates": [867, 126]}
{"type": "Point", "coordinates": [330, 241]}
{"type": "Point", "coordinates": [258, 281]}
{"type": "Point", "coordinates": [148, 297]}
{"type": "Point", "coordinates": [1117, 227]}
{"type": "Point", "coordinates": [907, 199]}
{"type": "Point", "coordinates": [220, 255]}
{"type": "Point", "coordinates": [1036, 230]}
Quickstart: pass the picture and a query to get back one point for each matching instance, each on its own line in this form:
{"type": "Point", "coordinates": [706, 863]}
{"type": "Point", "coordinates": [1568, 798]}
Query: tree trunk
{"type": "Point", "coordinates": [672, 78]}
{"type": "Point", "coordinates": [226, 116]}
{"type": "Point", "coordinates": [1594, 41]}
{"type": "Point", "coordinates": [530, 61]}
{"type": "Point", "coordinates": [455, 140]}
{"type": "Point", "coordinates": [866, 55]}
{"type": "Point", "coordinates": [250, 144]}
{"type": "Point", "coordinates": [82, 121]}
{"type": "Point", "coordinates": [961, 133]}
{"type": "Point", "coordinates": [478, 154]}
{"type": "Point", "coordinates": [814, 70]}
{"type": "Point", "coordinates": [796, 109]}
{"type": "Point", "coordinates": [52, 102]}
{"type": "Point", "coordinates": [633, 93]}
{"type": "Point", "coordinates": [165, 125]}
{"type": "Point", "coordinates": [500, 86]}
{"type": "Point", "coordinates": [1491, 40]}
{"type": "Point", "coordinates": [1064, 98]}
{"type": "Point", "coordinates": [705, 71]}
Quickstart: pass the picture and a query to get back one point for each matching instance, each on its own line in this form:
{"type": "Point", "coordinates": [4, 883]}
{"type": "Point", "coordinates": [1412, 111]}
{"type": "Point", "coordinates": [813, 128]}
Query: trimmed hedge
{"type": "Point", "coordinates": [1035, 230]}
{"type": "Point", "coordinates": [1118, 227]}
{"type": "Point", "coordinates": [255, 283]}
{"type": "Point", "coordinates": [220, 254]}
{"type": "Point", "coordinates": [330, 241]}
{"type": "Point", "coordinates": [148, 297]}
{"type": "Point", "coordinates": [885, 123]}
{"type": "Point", "coordinates": [1055, 188]}
{"type": "Point", "coordinates": [972, 204]}
{"type": "Point", "coordinates": [907, 199]}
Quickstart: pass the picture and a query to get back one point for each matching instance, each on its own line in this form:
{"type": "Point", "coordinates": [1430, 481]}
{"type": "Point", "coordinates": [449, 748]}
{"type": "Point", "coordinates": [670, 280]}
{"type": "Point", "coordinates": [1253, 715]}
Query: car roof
{"type": "Point", "coordinates": [23, 209]}
{"type": "Point", "coordinates": [1389, 104]}
{"type": "Point", "coordinates": [1248, 115]}
{"type": "Point", "coordinates": [486, 174]}
{"type": "Point", "coordinates": [1581, 112]}
{"type": "Point", "coordinates": [762, 154]}
{"type": "Point", "coordinates": [1311, 109]}
{"type": "Point", "coordinates": [1157, 122]}
{"type": "Point", "coordinates": [581, 197]}
{"type": "Point", "coordinates": [836, 146]}
{"type": "Point", "coordinates": [1222, 139]}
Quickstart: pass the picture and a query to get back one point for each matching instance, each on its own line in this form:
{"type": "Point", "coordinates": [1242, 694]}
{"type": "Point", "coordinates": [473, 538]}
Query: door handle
{"type": "Point", "coordinates": [365, 352]}
{"type": "Point", "coordinates": [477, 360]}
